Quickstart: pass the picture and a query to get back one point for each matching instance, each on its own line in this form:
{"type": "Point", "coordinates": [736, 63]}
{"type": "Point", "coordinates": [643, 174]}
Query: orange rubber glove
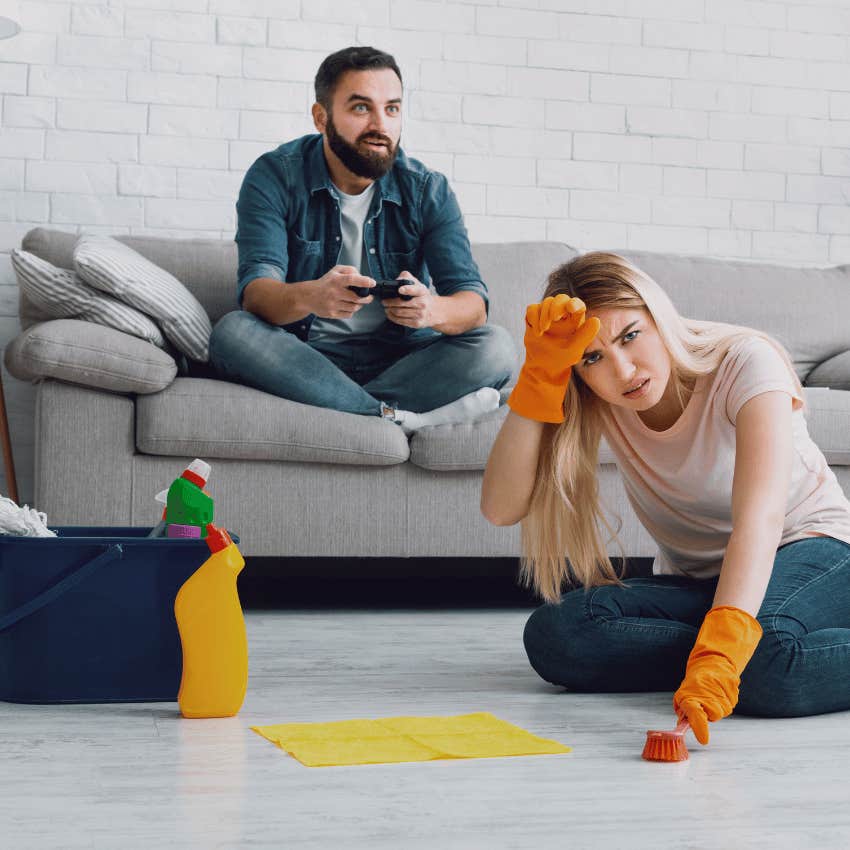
{"type": "Point", "coordinates": [725, 644]}
{"type": "Point", "coordinates": [556, 335]}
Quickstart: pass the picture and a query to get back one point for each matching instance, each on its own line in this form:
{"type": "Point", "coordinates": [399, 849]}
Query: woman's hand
{"type": "Point", "coordinates": [725, 643]}
{"type": "Point", "coordinates": [556, 336]}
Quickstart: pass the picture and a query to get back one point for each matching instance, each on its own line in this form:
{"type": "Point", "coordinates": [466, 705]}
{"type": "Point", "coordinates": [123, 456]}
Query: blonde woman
{"type": "Point", "coordinates": [706, 422]}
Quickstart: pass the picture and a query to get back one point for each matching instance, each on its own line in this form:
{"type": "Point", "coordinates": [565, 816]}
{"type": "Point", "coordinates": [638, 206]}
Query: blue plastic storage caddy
{"type": "Point", "coordinates": [88, 616]}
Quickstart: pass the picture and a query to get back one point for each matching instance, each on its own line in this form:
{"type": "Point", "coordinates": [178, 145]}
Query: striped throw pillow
{"type": "Point", "coordinates": [60, 294]}
{"type": "Point", "coordinates": [115, 268]}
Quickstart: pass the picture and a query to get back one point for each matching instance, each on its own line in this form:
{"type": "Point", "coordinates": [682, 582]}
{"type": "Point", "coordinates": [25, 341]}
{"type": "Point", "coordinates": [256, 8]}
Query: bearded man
{"type": "Point", "coordinates": [326, 224]}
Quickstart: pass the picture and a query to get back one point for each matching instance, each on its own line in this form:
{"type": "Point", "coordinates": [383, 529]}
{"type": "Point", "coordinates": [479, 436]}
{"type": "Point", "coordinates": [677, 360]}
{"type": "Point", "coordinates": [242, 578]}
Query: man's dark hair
{"type": "Point", "coordinates": [349, 59]}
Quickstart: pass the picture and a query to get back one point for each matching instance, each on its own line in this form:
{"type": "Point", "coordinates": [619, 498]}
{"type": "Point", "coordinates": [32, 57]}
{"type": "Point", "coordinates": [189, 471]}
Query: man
{"type": "Point", "coordinates": [328, 214]}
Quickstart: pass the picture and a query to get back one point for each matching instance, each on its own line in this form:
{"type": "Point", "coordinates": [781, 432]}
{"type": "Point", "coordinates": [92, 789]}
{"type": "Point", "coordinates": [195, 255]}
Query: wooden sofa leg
{"type": "Point", "coordinates": [8, 459]}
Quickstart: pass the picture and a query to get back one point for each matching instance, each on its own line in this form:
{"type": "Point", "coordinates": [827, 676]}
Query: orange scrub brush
{"type": "Point", "coordinates": [667, 746]}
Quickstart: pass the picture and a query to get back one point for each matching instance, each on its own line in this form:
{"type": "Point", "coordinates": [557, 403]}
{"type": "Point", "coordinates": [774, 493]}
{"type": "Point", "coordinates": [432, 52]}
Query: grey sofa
{"type": "Point", "coordinates": [115, 422]}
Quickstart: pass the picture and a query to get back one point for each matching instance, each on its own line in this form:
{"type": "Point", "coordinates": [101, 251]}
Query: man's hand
{"type": "Point", "coordinates": [420, 312]}
{"type": "Point", "coordinates": [330, 297]}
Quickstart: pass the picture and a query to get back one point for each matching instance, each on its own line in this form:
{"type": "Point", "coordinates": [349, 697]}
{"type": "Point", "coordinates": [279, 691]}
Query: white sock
{"type": "Point", "coordinates": [465, 409]}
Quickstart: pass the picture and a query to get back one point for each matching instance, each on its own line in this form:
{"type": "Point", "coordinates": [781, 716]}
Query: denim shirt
{"type": "Point", "coordinates": [289, 227]}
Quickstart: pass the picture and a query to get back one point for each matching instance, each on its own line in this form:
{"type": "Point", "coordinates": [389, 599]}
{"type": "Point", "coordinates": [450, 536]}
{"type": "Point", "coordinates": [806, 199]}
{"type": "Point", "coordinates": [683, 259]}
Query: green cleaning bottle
{"type": "Point", "coordinates": [187, 502]}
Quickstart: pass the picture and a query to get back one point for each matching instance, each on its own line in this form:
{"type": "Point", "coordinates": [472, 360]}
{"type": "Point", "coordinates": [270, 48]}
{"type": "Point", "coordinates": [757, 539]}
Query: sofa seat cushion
{"type": "Point", "coordinates": [449, 448]}
{"type": "Point", "coordinates": [465, 447]}
{"type": "Point", "coordinates": [199, 417]}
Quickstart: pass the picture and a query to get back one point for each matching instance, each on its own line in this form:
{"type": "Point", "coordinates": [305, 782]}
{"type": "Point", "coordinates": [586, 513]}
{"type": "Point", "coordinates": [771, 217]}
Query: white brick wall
{"type": "Point", "coordinates": [709, 126]}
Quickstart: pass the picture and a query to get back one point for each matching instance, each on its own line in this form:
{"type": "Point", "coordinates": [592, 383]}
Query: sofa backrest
{"type": "Point", "coordinates": [515, 274]}
{"type": "Point", "coordinates": [806, 309]}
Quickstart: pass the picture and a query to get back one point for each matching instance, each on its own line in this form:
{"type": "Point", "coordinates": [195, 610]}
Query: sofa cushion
{"type": "Point", "coordinates": [215, 419]}
{"type": "Point", "coordinates": [466, 446]}
{"type": "Point", "coordinates": [89, 354]}
{"type": "Point", "coordinates": [117, 269]}
{"type": "Point", "coordinates": [61, 294]}
{"type": "Point", "coordinates": [450, 448]}
{"type": "Point", "coordinates": [206, 267]}
{"type": "Point", "coordinates": [833, 373]}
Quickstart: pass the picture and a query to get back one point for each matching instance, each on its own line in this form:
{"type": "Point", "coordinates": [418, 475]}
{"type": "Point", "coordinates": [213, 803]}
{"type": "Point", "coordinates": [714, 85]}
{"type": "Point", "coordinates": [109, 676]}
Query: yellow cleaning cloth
{"type": "Point", "coordinates": [398, 739]}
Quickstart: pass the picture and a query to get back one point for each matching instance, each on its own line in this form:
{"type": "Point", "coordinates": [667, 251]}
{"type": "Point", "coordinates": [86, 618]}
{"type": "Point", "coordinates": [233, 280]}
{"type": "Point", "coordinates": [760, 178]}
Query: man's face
{"type": "Point", "coordinates": [363, 127]}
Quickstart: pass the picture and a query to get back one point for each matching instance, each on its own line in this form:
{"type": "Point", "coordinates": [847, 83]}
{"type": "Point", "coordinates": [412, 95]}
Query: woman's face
{"type": "Point", "coordinates": [627, 364]}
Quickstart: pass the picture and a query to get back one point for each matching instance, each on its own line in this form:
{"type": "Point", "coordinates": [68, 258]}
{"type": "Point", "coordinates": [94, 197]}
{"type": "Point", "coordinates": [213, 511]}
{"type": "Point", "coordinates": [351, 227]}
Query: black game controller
{"type": "Point", "coordinates": [383, 289]}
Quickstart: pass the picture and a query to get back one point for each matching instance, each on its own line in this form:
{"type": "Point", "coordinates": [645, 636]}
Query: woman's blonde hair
{"type": "Point", "coordinates": [562, 541]}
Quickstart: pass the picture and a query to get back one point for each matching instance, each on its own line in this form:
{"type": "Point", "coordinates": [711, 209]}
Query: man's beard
{"type": "Point", "coordinates": [371, 164]}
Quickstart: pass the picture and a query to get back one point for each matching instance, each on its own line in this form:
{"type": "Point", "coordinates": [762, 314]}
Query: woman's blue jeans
{"type": "Point", "coordinates": [357, 376]}
{"type": "Point", "coordinates": [638, 637]}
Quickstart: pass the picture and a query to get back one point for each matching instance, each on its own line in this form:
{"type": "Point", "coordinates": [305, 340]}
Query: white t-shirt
{"type": "Point", "coordinates": [679, 481]}
{"type": "Point", "coordinates": [353, 210]}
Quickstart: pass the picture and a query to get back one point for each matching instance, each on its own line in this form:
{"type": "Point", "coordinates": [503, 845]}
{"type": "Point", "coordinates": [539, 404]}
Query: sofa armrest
{"type": "Point", "coordinates": [90, 355]}
{"type": "Point", "coordinates": [833, 373]}
{"type": "Point", "coordinates": [84, 452]}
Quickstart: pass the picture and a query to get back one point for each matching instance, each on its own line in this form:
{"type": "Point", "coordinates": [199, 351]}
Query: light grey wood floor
{"type": "Point", "coordinates": [137, 776]}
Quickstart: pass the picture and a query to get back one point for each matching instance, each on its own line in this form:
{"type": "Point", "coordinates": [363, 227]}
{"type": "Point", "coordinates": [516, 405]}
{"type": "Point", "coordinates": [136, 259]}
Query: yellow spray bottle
{"type": "Point", "coordinates": [212, 632]}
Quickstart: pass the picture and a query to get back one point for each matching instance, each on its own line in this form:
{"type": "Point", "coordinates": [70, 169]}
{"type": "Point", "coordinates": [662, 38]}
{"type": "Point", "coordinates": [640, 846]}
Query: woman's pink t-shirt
{"type": "Point", "coordinates": [679, 481]}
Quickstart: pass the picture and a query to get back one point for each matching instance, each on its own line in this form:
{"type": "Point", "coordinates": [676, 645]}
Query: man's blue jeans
{"type": "Point", "coordinates": [638, 637]}
{"type": "Point", "coordinates": [358, 377]}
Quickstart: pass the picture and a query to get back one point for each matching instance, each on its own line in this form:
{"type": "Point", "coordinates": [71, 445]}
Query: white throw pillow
{"type": "Point", "coordinates": [109, 265]}
{"type": "Point", "coordinates": [62, 295]}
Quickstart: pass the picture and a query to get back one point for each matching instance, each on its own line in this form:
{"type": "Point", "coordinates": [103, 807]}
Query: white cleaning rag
{"type": "Point", "coordinates": [22, 521]}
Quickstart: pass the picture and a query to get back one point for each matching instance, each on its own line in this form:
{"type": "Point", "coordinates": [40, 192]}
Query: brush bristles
{"type": "Point", "coordinates": [665, 746]}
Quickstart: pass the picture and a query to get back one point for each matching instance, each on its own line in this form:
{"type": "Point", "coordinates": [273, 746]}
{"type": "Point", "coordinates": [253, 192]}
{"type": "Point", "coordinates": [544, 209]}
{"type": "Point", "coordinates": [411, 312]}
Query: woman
{"type": "Point", "coordinates": [753, 530]}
